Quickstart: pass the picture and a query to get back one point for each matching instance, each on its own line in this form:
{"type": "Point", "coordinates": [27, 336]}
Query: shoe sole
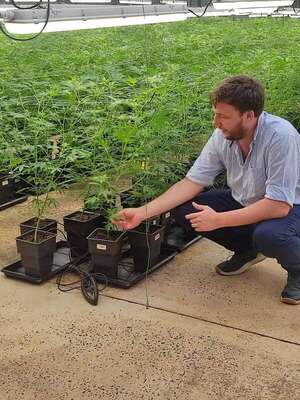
{"type": "Point", "coordinates": [260, 257]}
{"type": "Point", "coordinates": [288, 300]}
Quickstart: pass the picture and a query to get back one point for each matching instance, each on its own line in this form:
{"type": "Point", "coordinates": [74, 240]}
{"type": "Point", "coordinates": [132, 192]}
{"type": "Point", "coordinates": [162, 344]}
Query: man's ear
{"type": "Point", "coordinates": [249, 115]}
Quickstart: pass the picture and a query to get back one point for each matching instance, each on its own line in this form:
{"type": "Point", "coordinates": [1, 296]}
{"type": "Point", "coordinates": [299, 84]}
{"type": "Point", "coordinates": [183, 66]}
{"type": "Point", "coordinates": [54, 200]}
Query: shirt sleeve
{"type": "Point", "coordinates": [283, 169]}
{"type": "Point", "coordinates": [208, 164]}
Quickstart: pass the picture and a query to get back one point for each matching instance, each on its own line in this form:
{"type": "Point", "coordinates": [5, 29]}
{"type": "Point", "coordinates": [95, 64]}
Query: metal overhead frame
{"type": "Point", "coordinates": [66, 10]}
{"type": "Point", "coordinates": [62, 11]}
{"type": "Point", "coordinates": [111, 2]}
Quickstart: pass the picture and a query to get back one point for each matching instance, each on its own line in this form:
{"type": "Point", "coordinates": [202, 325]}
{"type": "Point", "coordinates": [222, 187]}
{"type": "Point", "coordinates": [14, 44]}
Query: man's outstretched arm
{"type": "Point", "coordinates": [177, 194]}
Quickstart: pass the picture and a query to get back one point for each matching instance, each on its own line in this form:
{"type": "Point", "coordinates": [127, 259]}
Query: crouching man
{"type": "Point", "coordinates": [258, 216]}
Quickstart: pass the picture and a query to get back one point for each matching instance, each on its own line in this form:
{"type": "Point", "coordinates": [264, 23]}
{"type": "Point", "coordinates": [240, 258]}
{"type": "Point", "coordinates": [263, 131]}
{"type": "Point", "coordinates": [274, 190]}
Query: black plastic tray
{"type": "Point", "coordinates": [127, 277]}
{"type": "Point", "coordinates": [17, 200]}
{"type": "Point", "coordinates": [178, 240]}
{"type": "Point", "coordinates": [61, 260]}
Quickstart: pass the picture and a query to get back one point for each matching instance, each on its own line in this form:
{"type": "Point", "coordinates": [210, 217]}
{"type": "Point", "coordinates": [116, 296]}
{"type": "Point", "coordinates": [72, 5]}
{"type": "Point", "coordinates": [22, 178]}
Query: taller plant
{"type": "Point", "coordinates": [119, 160]}
{"type": "Point", "coordinates": [41, 173]}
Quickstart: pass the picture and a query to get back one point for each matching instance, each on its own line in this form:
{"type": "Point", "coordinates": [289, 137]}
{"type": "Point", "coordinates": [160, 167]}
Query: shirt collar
{"type": "Point", "coordinates": [260, 123]}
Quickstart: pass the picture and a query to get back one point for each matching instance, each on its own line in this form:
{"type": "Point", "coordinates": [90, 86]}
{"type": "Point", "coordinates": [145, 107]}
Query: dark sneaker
{"type": "Point", "coordinates": [291, 292]}
{"type": "Point", "coordinates": [239, 263]}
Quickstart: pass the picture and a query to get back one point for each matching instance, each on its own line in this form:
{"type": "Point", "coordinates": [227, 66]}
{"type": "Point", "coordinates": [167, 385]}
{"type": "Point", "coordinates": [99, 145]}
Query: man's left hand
{"type": "Point", "coordinates": [205, 220]}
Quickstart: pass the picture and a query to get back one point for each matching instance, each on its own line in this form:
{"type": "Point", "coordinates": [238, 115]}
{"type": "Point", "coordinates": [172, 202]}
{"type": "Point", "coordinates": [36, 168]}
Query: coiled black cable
{"type": "Point", "coordinates": [7, 34]}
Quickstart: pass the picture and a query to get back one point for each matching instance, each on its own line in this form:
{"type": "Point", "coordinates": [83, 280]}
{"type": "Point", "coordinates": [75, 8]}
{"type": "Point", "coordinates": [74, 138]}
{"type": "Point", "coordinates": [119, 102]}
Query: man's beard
{"type": "Point", "coordinates": [237, 133]}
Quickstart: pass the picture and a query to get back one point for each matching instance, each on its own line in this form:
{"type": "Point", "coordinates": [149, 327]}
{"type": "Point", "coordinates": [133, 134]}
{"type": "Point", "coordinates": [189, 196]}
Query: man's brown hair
{"type": "Point", "coordinates": [240, 91]}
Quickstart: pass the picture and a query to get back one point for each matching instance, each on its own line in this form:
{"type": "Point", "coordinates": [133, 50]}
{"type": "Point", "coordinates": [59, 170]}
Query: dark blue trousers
{"type": "Point", "coordinates": [276, 238]}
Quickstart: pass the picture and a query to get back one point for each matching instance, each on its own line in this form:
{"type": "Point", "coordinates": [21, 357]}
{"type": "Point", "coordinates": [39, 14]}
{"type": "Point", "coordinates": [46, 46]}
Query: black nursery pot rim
{"type": "Point", "coordinates": [49, 235]}
{"type": "Point", "coordinates": [34, 219]}
{"type": "Point", "coordinates": [91, 213]}
{"type": "Point", "coordinates": [141, 229]}
{"type": "Point", "coordinates": [102, 230]}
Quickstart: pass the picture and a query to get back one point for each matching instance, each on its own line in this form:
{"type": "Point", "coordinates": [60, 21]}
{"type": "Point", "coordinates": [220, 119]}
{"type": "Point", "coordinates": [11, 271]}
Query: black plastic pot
{"type": "Point", "coordinates": [78, 226]}
{"type": "Point", "coordinates": [105, 249]}
{"type": "Point", "coordinates": [48, 225]}
{"type": "Point", "coordinates": [101, 210]}
{"type": "Point", "coordinates": [167, 219]}
{"type": "Point", "coordinates": [154, 220]}
{"type": "Point", "coordinates": [37, 257]}
{"type": "Point", "coordinates": [145, 242]}
{"type": "Point", "coordinates": [6, 189]}
{"type": "Point", "coordinates": [128, 200]}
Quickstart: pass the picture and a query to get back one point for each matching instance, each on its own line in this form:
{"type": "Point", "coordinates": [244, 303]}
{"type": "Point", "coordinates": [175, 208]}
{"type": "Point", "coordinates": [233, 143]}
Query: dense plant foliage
{"type": "Point", "coordinates": [150, 83]}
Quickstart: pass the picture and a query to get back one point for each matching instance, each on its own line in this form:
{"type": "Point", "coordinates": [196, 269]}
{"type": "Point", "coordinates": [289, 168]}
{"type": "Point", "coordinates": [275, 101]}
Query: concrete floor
{"type": "Point", "coordinates": [203, 337]}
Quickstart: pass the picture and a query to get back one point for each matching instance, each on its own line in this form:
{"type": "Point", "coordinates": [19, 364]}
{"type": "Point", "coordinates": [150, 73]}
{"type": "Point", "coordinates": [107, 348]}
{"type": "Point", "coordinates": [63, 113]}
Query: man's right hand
{"type": "Point", "coordinates": [128, 218]}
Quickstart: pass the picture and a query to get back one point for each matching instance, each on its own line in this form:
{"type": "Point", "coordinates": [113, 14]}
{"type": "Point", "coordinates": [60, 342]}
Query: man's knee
{"type": "Point", "coordinates": [219, 200]}
{"type": "Point", "coordinates": [187, 208]}
{"type": "Point", "coordinates": [268, 240]}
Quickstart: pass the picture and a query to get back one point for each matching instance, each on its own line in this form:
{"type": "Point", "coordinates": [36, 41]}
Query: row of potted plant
{"type": "Point", "coordinates": [88, 233]}
{"type": "Point", "coordinates": [127, 154]}
{"type": "Point", "coordinates": [89, 230]}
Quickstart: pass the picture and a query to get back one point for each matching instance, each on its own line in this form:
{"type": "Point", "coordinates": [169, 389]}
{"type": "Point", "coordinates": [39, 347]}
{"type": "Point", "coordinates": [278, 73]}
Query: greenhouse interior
{"type": "Point", "coordinates": [150, 200]}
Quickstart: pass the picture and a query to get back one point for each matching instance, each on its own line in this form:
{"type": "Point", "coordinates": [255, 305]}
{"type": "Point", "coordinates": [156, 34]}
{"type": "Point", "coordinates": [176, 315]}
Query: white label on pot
{"type": "Point", "coordinates": [4, 183]}
{"type": "Point", "coordinates": [167, 214]}
{"type": "Point", "coordinates": [157, 236]}
{"type": "Point", "coordinates": [155, 222]}
{"type": "Point", "coordinates": [101, 246]}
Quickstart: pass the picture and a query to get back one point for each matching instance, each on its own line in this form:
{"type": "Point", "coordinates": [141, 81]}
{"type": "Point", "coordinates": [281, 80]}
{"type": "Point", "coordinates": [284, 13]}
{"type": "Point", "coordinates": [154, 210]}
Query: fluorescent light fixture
{"type": "Point", "coordinates": [93, 24]}
{"type": "Point", "coordinates": [252, 4]}
{"type": "Point", "coordinates": [265, 10]}
{"type": "Point", "coordinates": [59, 12]}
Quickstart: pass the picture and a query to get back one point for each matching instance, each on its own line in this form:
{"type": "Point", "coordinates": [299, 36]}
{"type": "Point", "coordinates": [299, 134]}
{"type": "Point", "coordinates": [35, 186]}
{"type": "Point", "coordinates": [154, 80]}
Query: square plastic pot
{"type": "Point", "coordinates": [48, 225]}
{"type": "Point", "coordinates": [37, 257]}
{"type": "Point", "coordinates": [78, 226]}
{"type": "Point", "coordinates": [145, 242]}
{"type": "Point", "coordinates": [105, 249]}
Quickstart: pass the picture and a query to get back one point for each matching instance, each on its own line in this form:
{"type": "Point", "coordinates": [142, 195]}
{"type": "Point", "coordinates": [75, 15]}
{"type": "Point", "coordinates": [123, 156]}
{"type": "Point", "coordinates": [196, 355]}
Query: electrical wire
{"type": "Point", "coordinates": [7, 34]}
{"type": "Point", "coordinates": [294, 9]}
{"type": "Point", "coordinates": [205, 9]}
{"type": "Point", "coordinates": [148, 259]}
{"type": "Point", "coordinates": [87, 279]}
{"type": "Point", "coordinates": [181, 314]}
{"type": "Point", "coordinates": [147, 221]}
{"type": "Point", "coordinates": [26, 8]}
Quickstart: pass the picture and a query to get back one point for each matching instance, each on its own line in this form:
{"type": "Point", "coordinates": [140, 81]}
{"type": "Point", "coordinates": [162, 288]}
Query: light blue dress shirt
{"type": "Point", "coordinates": [271, 169]}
